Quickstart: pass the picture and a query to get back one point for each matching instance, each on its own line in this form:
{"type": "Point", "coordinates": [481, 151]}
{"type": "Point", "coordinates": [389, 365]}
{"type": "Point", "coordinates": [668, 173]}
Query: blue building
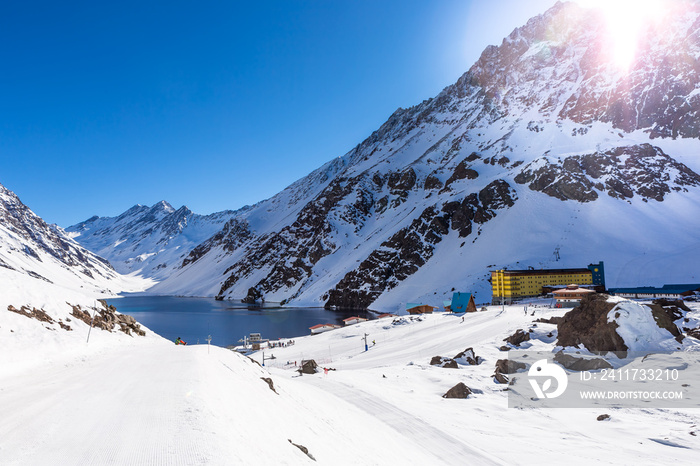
{"type": "Point", "coordinates": [462, 302]}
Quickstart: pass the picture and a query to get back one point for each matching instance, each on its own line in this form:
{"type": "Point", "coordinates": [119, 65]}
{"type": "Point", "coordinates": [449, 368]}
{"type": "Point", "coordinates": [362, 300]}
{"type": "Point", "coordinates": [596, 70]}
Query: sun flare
{"type": "Point", "coordinates": [625, 22]}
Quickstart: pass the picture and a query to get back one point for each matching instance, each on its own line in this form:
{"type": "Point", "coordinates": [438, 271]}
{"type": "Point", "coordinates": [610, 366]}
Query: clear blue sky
{"type": "Point", "coordinates": [214, 104]}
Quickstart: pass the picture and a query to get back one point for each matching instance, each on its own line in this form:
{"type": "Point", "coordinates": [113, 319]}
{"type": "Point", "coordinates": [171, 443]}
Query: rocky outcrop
{"type": "Point", "coordinates": [441, 361]}
{"type": "Point", "coordinates": [468, 357]}
{"type": "Point", "coordinates": [411, 247]}
{"type": "Point", "coordinates": [233, 235]}
{"type": "Point", "coordinates": [622, 173]}
{"type": "Point", "coordinates": [107, 318]}
{"type": "Point", "coordinates": [32, 313]}
{"type": "Point", "coordinates": [588, 325]}
{"type": "Point", "coordinates": [518, 337]}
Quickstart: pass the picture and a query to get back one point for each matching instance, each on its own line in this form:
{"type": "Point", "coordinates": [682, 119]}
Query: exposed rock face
{"type": "Point", "coordinates": [622, 173]}
{"type": "Point", "coordinates": [588, 324]}
{"type": "Point", "coordinates": [232, 236]}
{"type": "Point", "coordinates": [458, 391]}
{"type": "Point", "coordinates": [410, 248]}
{"type": "Point", "coordinates": [253, 296]}
{"type": "Point", "coordinates": [107, 318]}
{"type": "Point", "coordinates": [26, 234]}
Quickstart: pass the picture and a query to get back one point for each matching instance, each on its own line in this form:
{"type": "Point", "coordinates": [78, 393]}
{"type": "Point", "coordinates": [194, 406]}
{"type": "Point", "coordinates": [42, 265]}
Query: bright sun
{"type": "Point", "coordinates": [625, 23]}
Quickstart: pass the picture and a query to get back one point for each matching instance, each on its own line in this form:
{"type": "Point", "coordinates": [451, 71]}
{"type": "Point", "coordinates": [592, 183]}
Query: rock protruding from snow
{"type": "Point", "coordinates": [458, 391]}
{"type": "Point", "coordinates": [518, 337]}
{"type": "Point", "coordinates": [580, 364]}
{"type": "Point", "coordinates": [602, 324]}
{"type": "Point", "coordinates": [468, 357]}
{"type": "Point", "coordinates": [445, 362]}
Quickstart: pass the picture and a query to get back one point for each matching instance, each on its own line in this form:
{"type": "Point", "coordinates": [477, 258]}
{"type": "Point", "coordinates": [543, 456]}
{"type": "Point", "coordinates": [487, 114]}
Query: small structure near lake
{"type": "Point", "coordinates": [414, 308]}
{"type": "Point", "coordinates": [354, 320]}
{"type": "Point", "coordinates": [320, 328]}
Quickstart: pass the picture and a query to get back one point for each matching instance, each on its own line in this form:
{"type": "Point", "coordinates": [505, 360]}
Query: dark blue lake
{"type": "Point", "coordinates": [192, 319]}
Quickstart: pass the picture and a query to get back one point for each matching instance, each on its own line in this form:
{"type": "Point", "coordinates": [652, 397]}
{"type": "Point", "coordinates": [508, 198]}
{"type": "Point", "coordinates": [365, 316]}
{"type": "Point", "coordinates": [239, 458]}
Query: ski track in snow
{"type": "Point", "coordinates": [447, 449]}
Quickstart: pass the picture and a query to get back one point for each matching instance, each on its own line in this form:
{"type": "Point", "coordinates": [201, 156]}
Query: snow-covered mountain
{"type": "Point", "coordinates": [36, 252]}
{"type": "Point", "coordinates": [148, 241]}
{"type": "Point", "coordinates": [546, 153]}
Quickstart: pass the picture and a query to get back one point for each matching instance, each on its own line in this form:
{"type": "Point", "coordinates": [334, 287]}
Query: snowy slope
{"type": "Point", "coordinates": [148, 241]}
{"type": "Point", "coordinates": [29, 247]}
{"type": "Point", "coordinates": [160, 403]}
{"type": "Point", "coordinates": [48, 283]}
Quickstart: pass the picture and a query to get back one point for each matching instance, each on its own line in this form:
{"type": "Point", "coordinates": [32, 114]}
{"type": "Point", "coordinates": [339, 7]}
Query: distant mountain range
{"type": "Point", "coordinates": [543, 154]}
{"type": "Point", "coordinates": [36, 253]}
{"type": "Point", "coordinates": [150, 241]}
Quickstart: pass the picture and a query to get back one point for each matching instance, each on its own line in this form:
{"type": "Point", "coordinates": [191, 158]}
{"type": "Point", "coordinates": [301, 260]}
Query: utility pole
{"type": "Point", "coordinates": [92, 321]}
{"type": "Point", "coordinates": [208, 343]}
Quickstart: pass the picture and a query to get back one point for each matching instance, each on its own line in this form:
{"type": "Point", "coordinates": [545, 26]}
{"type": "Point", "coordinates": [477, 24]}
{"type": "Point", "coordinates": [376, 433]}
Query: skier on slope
{"type": "Point", "coordinates": [179, 341]}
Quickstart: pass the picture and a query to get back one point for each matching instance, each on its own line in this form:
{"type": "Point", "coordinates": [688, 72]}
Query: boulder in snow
{"type": "Point", "coordinates": [441, 361]}
{"type": "Point", "coordinates": [458, 391]}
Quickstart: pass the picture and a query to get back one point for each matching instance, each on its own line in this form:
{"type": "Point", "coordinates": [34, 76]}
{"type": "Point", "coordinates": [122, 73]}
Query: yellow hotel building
{"type": "Point", "coordinates": [510, 285]}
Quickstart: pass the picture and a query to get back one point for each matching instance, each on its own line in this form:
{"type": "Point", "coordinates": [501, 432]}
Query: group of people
{"type": "Point", "coordinates": [281, 344]}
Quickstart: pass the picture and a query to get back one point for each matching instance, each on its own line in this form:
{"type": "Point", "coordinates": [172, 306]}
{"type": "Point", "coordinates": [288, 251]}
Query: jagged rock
{"type": "Point", "coordinates": [432, 182]}
{"type": "Point", "coordinates": [622, 172]}
{"type": "Point", "coordinates": [505, 348]}
{"type": "Point", "coordinates": [468, 357]}
{"type": "Point", "coordinates": [270, 384]}
{"type": "Point", "coordinates": [403, 181]}
{"type": "Point", "coordinates": [518, 337]}
{"type": "Point", "coordinates": [461, 172]}
{"type": "Point", "coordinates": [441, 361]}
{"type": "Point", "coordinates": [588, 324]}
{"type": "Point", "coordinates": [107, 318]}
{"type": "Point", "coordinates": [458, 391]}
{"type": "Point", "coordinates": [581, 364]}
{"type": "Point", "coordinates": [303, 449]}
{"type": "Point", "coordinates": [253, 296]}
{"type": "Point", "coordinates": [33, 313]}
{"type": "Point", "coordinates": [501, 378]}
{"type": "Point", "coordinates": [603, 417]}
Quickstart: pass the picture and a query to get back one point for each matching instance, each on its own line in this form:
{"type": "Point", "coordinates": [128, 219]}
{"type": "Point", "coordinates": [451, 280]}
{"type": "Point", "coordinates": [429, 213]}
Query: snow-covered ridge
{"type": "Point", "coordinates": [148, 241]}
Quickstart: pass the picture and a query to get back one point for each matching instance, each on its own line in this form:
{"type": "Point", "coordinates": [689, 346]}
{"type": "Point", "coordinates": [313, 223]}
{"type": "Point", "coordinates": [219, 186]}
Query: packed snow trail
{"type": "Point", "coordinates": [122, 408]}
{"type": "Point", "coordinates": [158, 403]}
{"type": "Point", "coordinates": [447, 449]}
